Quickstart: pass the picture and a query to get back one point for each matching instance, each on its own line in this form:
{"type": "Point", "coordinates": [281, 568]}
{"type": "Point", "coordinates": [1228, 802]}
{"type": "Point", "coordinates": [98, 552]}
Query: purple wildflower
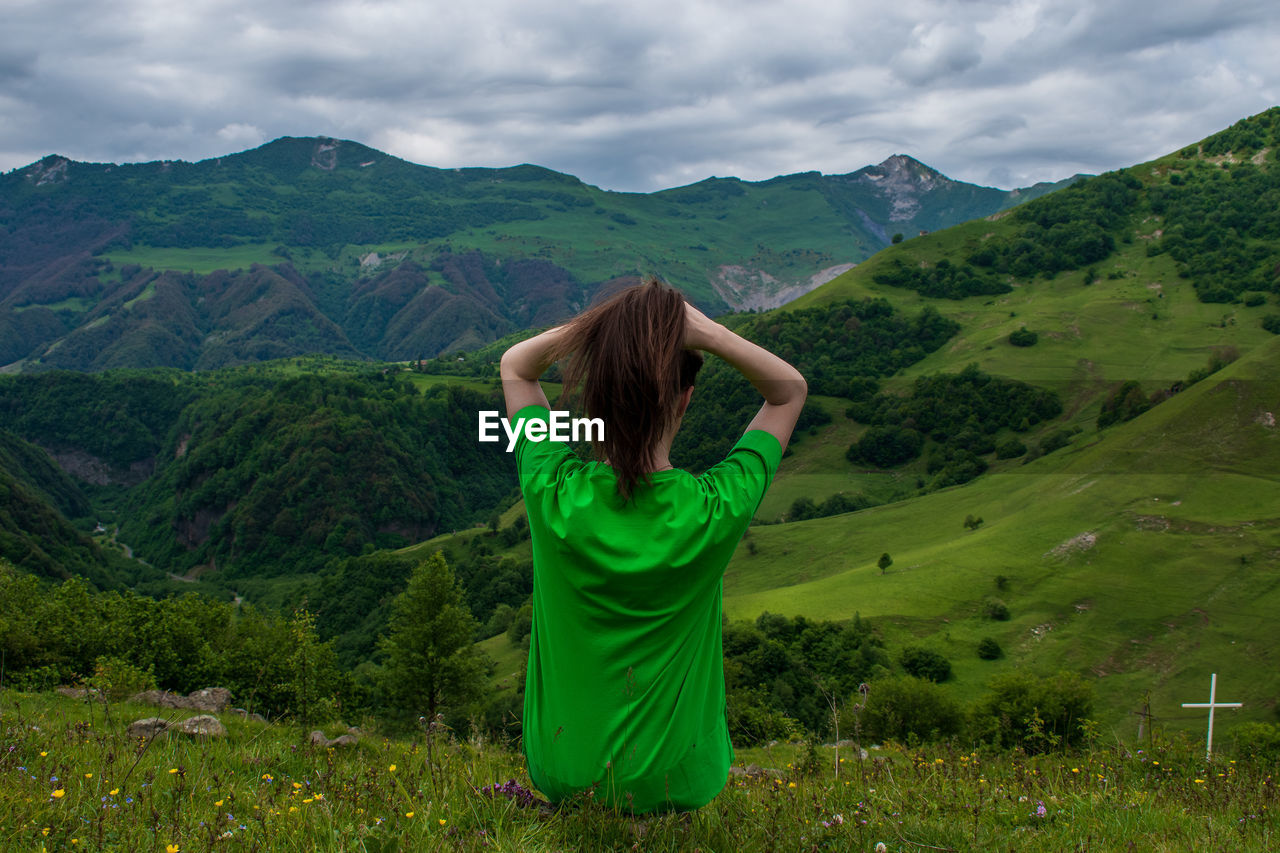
{"type": "Point", "coordinates": [512, 790]}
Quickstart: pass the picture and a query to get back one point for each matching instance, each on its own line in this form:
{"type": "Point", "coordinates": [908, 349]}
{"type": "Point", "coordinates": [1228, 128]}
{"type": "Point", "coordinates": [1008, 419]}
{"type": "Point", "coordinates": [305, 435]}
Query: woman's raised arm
{"type": "Point", "coordinates": [783, 388]}
{"type": "Point", "coordinates": [521, 367]}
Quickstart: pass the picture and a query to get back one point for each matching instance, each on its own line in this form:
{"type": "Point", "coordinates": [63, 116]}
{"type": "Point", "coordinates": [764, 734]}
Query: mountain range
{"type": "Point", "coordinates": [320, 245]}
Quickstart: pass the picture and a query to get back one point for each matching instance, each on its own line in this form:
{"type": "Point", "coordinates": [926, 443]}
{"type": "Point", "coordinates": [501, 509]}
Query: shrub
{"type": "Point", "coordinates": [1271, 323]}
{"type": "Point", "coordinates": [1011, 449]}
{"type": "Point", "coordinates": [923, 663]}
{"type": "Point", "coordinates": [995, 609]}
{"type": "Point", "coordinates": [905, 709]}
{"type": "Point", "coordinates": [1254, 299]}
{"type": "Point", "coordinates": [117, 679]}
{"type": "Point", "coordinates": [989, 649]}
{"type": "Point", "coordinates": [1259, 741]}
{"type": "Point", "coordinates": [886, 446]}
{"type": "Point", "coordinates": [1038, 714]}
{"type": "Point", "coordinates": [1023, 337]}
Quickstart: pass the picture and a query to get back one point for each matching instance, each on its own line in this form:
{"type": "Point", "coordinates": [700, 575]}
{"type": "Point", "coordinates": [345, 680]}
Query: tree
{"type": "Point", "coordinates": [884, 562]}
{"type": "Point", "coordinates": [1023, 337]}
{"type": "Point", "coordinates": [430, 660]}
{"type": "Point", "coordinates": [924, 663]}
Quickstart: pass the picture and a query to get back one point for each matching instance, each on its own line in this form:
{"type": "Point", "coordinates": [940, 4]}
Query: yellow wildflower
{"type": "Point", "coordinates": [408, 814]}
{"type": "Point", "coordinates": [59, 794]}
{"type": "Point", "coordinates": [171, 848]}
{"type": "Point", "coordinates": [88, 775]}
{"type": "Point", "coordinates": [392, 768]}
{"type": "Point", "coordinates": [115, 791]}
{"type": "Point", "coordinates": [443, 821]}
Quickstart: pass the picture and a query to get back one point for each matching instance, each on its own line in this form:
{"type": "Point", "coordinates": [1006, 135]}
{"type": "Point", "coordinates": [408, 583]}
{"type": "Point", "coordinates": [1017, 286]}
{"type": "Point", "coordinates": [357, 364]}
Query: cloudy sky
{"type": "Point", "coordinates": [641, 95]}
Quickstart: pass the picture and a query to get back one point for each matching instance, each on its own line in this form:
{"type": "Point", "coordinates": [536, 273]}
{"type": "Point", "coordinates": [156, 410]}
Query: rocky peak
{"type": "Point", "coordinates": [49, 170]}
{"type": "Point", "coordinates": [902, 180]}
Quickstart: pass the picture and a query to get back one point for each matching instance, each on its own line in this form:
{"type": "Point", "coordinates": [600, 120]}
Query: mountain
{"type": "Point", "coordinates": [321, 245]}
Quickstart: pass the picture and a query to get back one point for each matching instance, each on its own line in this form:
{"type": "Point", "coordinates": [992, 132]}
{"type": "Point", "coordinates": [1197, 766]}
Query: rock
{"type": "Point", "coordinates": [212, 699]}
{"type": "Point", "coordinates": [755, 771]}
{"type": "Point", "coordinates": [147, 728]}
{"type": "Point", "coordinates": [205, 725]}
{"type": "Point", "coordinates": [257, 718]}
{"type": "Point", "coordinates": [215, 699]}
{"type": "Point", "coordinates": [318, 738]}
{"type": "Point", "coordinates": [162, 698]}
{"type": "Point", "coordinates": [76, 692]}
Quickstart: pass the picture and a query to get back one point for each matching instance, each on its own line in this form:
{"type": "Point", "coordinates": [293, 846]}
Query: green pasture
{"type": "Point", "coordinates": [1146, 554]}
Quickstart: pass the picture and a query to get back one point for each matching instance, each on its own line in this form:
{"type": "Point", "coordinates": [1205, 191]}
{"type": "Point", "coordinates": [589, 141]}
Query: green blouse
{"type": "Point", "coordinates": [625, 688]}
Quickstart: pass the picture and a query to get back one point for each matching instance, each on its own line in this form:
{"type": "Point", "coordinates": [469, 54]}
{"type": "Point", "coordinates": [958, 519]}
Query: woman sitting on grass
{"type": "Point", "coordinates": [625, 688]}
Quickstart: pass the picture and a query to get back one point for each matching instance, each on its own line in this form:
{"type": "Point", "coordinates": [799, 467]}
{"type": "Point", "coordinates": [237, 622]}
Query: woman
{"type": "Point", "coordinates": [625, 688]}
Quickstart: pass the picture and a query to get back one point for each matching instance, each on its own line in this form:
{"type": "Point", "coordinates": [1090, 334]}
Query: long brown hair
{"type": "Point", "coordinates": [628, 355]}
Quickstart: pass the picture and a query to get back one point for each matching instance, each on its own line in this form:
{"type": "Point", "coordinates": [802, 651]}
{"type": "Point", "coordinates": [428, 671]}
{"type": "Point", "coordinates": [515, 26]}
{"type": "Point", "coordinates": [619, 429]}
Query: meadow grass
{"type": "Point", "coordinates": [71, 779]}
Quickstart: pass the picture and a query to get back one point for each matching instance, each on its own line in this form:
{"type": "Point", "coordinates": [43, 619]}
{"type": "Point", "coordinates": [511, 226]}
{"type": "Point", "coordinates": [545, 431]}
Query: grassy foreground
{"type": "Point", "coordinates": [71, 779]}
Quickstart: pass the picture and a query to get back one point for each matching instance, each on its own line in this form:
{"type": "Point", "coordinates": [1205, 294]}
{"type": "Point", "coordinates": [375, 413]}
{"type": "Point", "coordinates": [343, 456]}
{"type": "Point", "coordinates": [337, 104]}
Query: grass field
{"type": "Point", "coordinates": [71, 779]}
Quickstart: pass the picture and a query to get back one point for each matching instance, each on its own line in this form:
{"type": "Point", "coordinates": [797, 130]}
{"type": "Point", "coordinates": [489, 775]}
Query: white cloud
{"type": "Point", "coordinates": [641, 96]}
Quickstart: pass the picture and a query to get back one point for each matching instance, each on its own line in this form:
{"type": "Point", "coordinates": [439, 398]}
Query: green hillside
{"type": "Point", "coordinates": [321, 245]}
{"type": "Point", "coordinates": [1142, 554]}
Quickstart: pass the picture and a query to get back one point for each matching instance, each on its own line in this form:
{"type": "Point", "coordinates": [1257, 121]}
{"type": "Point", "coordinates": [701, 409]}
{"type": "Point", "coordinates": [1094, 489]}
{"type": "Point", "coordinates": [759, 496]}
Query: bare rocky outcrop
{"type": "Point", "coordinates": [212, 699]}
{"type": "Point", "coordinates": [202, 726]}
{"type": "Point", "coordinates": [318, 738]}
{"type": "Point", "coordinates": [148, 727]}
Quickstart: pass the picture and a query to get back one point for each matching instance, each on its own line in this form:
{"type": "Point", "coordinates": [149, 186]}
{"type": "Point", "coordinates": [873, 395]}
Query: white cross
{"type": "Point", "coordinates": [1213, 685]}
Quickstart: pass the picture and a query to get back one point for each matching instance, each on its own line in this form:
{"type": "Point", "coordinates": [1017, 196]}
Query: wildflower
{"type": "Point", "coordinates": [218, 804]}
{"type": "Point", "coordinates": [443, 821]}
{"type": "Point", "coordinates": [392, 768]}
{"type": "Point", "coordinates": [1041, 811]}
{"type": "Point", "coordinates": [408, 814]}
{"type": "Point", "coordinates": [292, 809]}
{"type": "Point", "coordinates": [791, 784]}
{"type": "Point", "coordinates": [88, 775]}
{"type": "Point", "coordinates": [268, 777]}
{"type": "Point", "coordinates": [171, 848]}
{"type": "Point", "coordinates": [173, 770]}
{"type": "Point", "coordinates": [59, 794]}
{"type": "Point", "coordinates": [309, 800]}
{"type": "Point", "coordinates": [115, 791]}
{"type": "Point", "coordinates": [296, 786]}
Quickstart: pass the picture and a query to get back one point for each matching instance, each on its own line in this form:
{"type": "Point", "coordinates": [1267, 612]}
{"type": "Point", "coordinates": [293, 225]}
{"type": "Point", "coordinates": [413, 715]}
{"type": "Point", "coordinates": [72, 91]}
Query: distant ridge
{"type": "Point", "coordinates": [315, 244]}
